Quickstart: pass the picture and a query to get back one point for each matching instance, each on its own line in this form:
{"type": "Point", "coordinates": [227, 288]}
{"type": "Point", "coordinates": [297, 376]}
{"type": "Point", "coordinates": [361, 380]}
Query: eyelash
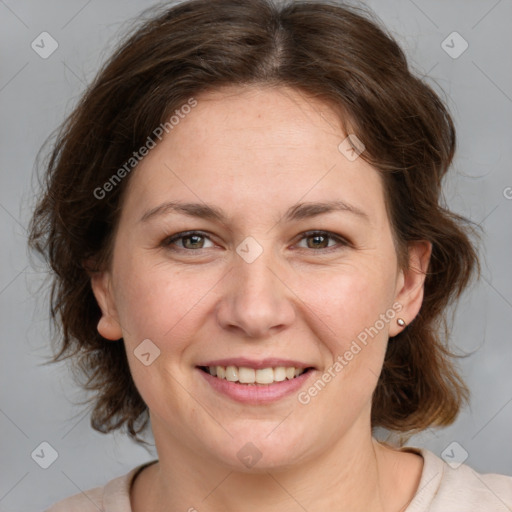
{"type": "Point", "coordinates": [308, 234]}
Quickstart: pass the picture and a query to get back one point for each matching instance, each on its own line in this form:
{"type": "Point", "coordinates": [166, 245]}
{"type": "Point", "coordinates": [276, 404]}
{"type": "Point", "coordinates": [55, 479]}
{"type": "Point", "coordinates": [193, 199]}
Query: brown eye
{"type": "Point", "coordinates": [190, 240]}
{"type": "Point", "coordinates": [321, 239]}
{"type": "Point", "coordinates": [318, 241]}
{"type": "Point", "coordinates": [193, 242]}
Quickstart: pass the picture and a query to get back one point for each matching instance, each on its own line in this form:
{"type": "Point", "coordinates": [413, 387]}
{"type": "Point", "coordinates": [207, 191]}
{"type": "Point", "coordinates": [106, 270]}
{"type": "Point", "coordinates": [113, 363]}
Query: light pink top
{"type": "Point", "coordinates": [441, 489]}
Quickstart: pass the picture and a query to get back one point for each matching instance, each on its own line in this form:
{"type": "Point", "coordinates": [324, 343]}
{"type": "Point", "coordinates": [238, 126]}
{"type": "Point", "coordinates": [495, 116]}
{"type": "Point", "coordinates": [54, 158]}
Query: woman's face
{"type": "Point", "coordinates": [253, 174]}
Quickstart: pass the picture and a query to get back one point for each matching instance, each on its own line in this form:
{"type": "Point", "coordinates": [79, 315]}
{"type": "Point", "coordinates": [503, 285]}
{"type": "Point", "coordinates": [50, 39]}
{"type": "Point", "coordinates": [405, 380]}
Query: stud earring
{"type": "Point", "coordinates": [400, 322]}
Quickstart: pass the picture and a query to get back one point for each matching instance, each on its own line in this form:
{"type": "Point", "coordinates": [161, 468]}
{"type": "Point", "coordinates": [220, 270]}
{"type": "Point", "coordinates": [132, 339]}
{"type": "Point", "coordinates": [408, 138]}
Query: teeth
{"type": "Point", "coordinates": [245, 375]}
{"type": "Point", "coordinates": [279, 373]}
{"type": "Point", "coordinates": [231, 373]}
{"type": "Point", "coordinates": [265, 376]}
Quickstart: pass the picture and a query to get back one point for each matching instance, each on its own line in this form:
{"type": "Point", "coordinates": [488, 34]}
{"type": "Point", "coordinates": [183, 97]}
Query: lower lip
{"type": "Point", "coordinates": [256, 394]}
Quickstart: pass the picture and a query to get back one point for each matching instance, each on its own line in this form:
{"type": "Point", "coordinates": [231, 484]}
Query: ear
{"type": "Point", "coordinates": [410, 283]}
{"type": "Point", "coordinates": [108, 326]}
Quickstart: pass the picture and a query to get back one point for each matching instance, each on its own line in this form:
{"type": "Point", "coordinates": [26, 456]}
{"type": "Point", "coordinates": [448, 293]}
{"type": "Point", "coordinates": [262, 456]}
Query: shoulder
{"type": "Point", "coordinates": [455, 487]}
{"type": "Point", "coordinates": [114, 496]}
{"type": "Point", "coordinates": [464, 487]}
{"type": "Point", "coordinates": [87, 501]}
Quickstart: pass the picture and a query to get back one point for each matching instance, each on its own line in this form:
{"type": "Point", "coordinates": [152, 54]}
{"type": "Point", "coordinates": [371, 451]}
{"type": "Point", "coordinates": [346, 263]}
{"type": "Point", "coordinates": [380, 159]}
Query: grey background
{"type": "Point", "coordinates": [36, 402]}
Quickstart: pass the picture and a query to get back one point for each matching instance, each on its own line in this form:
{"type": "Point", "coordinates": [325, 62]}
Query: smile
{"type": "Point", "coordinates": [261, 376]}
{"type": "Point", "coordinates": [253, 386]}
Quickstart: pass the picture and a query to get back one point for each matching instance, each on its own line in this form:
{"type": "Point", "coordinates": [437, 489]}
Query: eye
{"type": "Point", "coordinates": [320, 240]}
{"type": "Point", "coordinates": [188, 240]}
{"type": "Point", "coordinates": [195, 240]}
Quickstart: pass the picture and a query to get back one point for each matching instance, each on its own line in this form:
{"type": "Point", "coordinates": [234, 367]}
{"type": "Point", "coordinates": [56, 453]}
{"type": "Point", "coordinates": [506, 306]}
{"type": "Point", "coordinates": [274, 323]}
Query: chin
{"type": "Point", "coordinates": [260, 451]}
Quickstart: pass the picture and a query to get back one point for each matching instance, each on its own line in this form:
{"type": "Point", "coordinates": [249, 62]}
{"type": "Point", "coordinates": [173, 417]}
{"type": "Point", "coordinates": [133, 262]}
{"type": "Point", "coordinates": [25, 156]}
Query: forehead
{"type": "Point", "coordinates": [254, 149]}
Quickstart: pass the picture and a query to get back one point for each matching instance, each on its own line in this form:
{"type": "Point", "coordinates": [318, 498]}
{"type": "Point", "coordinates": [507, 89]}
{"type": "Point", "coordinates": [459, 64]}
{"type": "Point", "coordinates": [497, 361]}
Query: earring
{"type": "Point", "coordinates": [400, 322]}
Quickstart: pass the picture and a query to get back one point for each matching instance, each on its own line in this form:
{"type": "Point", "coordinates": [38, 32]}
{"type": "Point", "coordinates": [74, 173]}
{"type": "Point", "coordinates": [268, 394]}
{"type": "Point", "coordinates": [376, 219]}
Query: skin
{"type": "Point", "coordinates": [255, 152]}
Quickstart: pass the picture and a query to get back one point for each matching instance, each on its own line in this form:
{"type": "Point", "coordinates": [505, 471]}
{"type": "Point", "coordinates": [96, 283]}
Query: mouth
{"type": "Point", "coordinates": [255, 376]}
{"type": "Point", "coordinates": [255, 381]}
{"type": "Point", "coordinates": [255, 386]}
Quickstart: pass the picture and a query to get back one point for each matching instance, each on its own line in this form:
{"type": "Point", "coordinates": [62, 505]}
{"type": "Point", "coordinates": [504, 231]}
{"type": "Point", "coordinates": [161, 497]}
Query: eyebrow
{"type": "Point", "coordinates": [297, 212]}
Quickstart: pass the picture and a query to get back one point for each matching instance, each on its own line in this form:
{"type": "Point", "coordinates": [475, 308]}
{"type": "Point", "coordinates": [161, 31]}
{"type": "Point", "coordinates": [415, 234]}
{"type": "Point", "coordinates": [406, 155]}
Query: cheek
{"type": "Point", "coordinates": [143, 300]}
{"type": "Point", "coordinates": [349, 306]}
{"type": "Point", "coordinates": [349, 300]}
{"type": "Point", "coordinates": [158, 302]}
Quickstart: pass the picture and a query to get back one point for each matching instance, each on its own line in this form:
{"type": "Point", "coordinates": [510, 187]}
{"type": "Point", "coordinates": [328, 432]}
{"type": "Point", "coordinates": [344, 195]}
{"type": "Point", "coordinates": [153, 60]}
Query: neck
{"type": "Point", "coordinates": [354, 474]}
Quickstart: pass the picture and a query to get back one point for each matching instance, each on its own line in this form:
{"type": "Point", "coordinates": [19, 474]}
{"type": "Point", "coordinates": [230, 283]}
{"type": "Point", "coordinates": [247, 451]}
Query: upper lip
{"type": "Point", "coordinates": [269, 362]}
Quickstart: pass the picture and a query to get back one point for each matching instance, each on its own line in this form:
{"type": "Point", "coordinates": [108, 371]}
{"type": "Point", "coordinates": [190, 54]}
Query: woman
{"type": "Point", "coordinates": [250, 256]}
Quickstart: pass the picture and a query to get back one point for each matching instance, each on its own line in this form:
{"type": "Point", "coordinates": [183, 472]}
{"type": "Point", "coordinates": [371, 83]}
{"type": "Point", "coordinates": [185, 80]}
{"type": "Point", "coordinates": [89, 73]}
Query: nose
{"type": "Point", "coordinates": [256, 301]}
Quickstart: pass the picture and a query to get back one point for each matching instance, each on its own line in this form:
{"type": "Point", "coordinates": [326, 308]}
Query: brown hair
{"type": "Point", "coordinates": [327, 51]}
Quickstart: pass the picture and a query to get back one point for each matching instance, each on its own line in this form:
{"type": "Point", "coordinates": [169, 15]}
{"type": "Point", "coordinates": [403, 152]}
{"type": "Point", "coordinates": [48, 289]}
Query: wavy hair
{"type": "Point", "coordinates": [325, 50]}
